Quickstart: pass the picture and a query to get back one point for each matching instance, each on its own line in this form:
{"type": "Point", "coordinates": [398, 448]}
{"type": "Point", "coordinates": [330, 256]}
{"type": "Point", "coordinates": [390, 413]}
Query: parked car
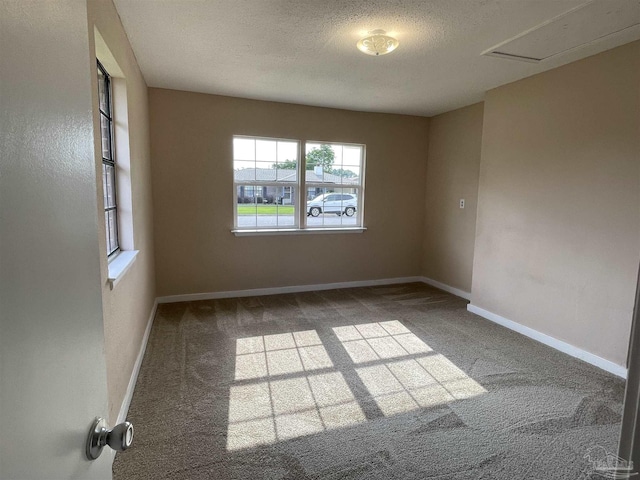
{"type": "Point", "coordinates": [338, 203]}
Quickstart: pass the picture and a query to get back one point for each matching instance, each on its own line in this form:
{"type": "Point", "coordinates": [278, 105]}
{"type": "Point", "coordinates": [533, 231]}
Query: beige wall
{"type": "Point", "coordinates": [558, 231]}
{"type": "Point", "coordinates": [453, 166]}
{"type": "Point", "coordinates": [191, 140]}
{"type": "Point", "coordinates": [127, 307]}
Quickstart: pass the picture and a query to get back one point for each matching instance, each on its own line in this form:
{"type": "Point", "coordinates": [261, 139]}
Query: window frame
{"type": "Point", "coordinates": [359, 196]}
{"type": "Point", "coordinates": [299, 193]}
{"type": "Point", "coordinates": [262, 183]}
{"type": "Point", "coordinates": [110, 162]}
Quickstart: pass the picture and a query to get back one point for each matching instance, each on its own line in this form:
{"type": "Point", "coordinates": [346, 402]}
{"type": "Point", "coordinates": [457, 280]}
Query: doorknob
{"type": "Point", "coordinates": [119, 437]}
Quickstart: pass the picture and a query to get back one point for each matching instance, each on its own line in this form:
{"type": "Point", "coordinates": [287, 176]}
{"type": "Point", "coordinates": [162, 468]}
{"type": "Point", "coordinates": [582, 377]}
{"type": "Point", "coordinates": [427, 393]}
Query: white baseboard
{"type": "Point", "coordinates": [564, 347]}
{"type": "Point", "coordinates": [190, 297]}
{"type": "Point", "coordinates": [447, 288]}
{"type": "Point", "coordinates": [126, 401]}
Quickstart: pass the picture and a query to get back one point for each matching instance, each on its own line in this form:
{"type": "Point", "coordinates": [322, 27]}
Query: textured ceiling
{"type": "Point", "coordinates": [304, 51]}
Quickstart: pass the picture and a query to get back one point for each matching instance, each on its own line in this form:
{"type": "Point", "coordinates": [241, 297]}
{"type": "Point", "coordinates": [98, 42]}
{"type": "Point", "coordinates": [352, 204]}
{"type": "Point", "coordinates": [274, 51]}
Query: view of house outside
{"type": "Point", "coordinates": [267, 183]}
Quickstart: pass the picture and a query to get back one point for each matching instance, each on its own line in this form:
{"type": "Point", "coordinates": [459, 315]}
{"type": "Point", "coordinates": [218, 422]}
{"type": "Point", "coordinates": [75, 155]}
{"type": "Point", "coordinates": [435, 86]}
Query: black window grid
{"type": "Point", "coordinates": [110, 210]}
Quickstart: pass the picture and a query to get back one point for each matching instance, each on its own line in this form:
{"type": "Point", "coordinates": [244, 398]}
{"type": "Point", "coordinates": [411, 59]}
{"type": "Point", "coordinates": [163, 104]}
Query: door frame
{"type": "Point", "coordinates": [629, 447]}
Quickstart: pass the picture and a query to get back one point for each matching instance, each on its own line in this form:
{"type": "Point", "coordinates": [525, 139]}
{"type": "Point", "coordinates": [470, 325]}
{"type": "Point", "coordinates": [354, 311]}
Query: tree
{"type": "Point", "coordinates": [344, 173]}
{"type": "Point", "coordinates": [323, 157]}
{"type": "Point", "coordinates": [286, 165]}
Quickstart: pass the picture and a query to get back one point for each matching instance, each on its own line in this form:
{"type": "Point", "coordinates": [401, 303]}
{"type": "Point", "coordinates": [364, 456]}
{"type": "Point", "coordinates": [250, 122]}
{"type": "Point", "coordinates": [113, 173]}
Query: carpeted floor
{"type": "Point", "coordinates": [394, 382]}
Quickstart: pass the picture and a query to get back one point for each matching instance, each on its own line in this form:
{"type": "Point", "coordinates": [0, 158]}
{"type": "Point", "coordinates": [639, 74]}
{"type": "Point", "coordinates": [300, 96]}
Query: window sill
{"type": "Point", "coordinates": [295, 231]}
{"type": "Point", "coordinates": [120, 265]}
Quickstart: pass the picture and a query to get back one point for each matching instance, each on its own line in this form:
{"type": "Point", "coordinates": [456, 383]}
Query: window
{"type": "Point", "coordinates": [265, 180]}
{"type": "Point", "coordinates": [272, 193]}
{"type": "Point", "coordinates": [334, 180]}
{"type": "Point", "coordinates": [108, 161]}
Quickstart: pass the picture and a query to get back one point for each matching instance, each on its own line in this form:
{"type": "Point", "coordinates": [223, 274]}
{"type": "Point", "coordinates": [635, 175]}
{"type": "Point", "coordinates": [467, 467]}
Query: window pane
{"type": "Point", "coordinates": [266, 150]}
{"type": "Point", "coordinates": [288, 175]}
{"type": "Point", "coordinates": [102, 92]}
{"type": "Point", "coordinates": [106, 228]}
{"type": "Point", "coordinates": [331, 207]}
{"type": "Point", "coordinates": [348, 175]}
{"type": "Point", "coordinates": [351, 155]}
{"type": "Point", "coordinates": [286, 215]}
{"type": "Point", "coordinates": [109, 186]}
{"type": "Point", "coordinates": [247, 216]}
{"type": "Point", "coordinates": [104, 184]}
{"type": "Point", "coordinates": [243, 164]}
{"type": "Point", "coordinates": [114, 226]}
{"type": "Point", "coordinates": [250, 194]}
{"type": "Point", "coordinates": [321, 158]}
{"type": "Point", "coordinates": [274, 160]}
{"type": "Point", "coordinates": [265, 206]}
{"type": "Point", "coordinates": [244, 171]}
{"type": "Point", "coordinates": [333, 164]}
{"type": "Point", "coordinates": [350, 171]}
{"type": "Point", "coordinates": [285, 202]}
{"type": "Point", "coordinates": [244, 148]}
{"type": "Point", "coordinates": [316, 175]}
{"type": "Point", "coordinates": [112, 230]}
{"type": "Point", "coordinates": [265, 172]}
{"type": "Point", "coordinates": [349, 167]}
{"type": "Point", "coordinates": [287, 161]}
{"type": "Point", "coordinates": [105, 131]}
{"type": "Point", "coordinates": [111, 227]}
{"type": "Point", "coordinates": [311, 146]}
{"type": "Point", "coordinates": [287, 151]}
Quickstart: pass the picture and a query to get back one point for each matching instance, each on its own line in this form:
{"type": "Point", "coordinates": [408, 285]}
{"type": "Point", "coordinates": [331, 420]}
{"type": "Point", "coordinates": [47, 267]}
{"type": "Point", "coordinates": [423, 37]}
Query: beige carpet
{"type": "Point", "coordinates": [396, 382]}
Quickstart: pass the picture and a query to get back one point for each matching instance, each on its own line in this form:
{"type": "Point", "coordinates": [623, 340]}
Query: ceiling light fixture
{"type": "Point", "coordinates": [377, 43]}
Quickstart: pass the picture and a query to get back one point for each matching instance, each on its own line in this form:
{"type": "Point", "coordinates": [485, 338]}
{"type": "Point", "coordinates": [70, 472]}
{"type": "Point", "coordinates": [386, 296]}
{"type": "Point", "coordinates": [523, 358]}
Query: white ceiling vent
{"type": "Point", "coordinates": [578, 27]}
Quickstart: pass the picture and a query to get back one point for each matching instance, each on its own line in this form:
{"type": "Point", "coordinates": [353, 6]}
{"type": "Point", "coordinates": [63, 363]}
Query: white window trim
{"type": "Point", "coordinates": [300, 186]}
{"type": "Point", "coordinates": [295, 185]}
{"type": "Point", "coordinates": [119, 265]}
{"type": "Point", "coordinates": [296, 231]}
{"type": "Point", "coordinates": [360, 188]}
{"type": "Point", "coordinates": [120, 262]}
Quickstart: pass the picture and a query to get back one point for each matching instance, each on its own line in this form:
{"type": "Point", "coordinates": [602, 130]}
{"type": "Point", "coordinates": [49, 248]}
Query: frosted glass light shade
{"type": "Point", "coordinates": [377, 43]}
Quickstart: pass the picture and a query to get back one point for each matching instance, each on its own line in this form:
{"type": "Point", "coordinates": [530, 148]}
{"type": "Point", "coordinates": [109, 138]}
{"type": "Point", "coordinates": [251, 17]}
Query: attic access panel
{"type": "Point", "coordinates": [578, 27]}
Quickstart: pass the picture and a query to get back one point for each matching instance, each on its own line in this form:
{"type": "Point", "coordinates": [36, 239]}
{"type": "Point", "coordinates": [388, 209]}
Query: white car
{"type": "Point", "coordinates": [338, 203]}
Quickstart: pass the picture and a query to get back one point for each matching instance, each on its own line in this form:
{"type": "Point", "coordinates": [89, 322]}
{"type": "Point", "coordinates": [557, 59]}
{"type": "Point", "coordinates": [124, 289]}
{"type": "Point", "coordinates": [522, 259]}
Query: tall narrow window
{"type": "Point", "coordinates": [108, 161]}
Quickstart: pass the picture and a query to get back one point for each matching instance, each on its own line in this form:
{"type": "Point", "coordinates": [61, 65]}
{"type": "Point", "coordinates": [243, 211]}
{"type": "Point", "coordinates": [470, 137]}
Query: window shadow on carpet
{"type": "Point", "coordinates": [287, 385]}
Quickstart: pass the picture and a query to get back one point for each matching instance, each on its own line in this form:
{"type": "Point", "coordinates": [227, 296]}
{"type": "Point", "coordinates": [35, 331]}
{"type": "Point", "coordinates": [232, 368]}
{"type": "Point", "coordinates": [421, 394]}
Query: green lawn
{"type": "Point", "coordinates": [265, 209]}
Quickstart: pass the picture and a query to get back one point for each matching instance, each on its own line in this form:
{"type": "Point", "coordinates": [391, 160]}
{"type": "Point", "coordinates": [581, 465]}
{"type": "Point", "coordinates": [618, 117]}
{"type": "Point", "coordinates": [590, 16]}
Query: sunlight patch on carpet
{"type": "Point", "coordinates": [275, 410]}
{"type": "Point", "coordinates": [301, 403]}
{"type": "Point", "coordinates": [286, 385]}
